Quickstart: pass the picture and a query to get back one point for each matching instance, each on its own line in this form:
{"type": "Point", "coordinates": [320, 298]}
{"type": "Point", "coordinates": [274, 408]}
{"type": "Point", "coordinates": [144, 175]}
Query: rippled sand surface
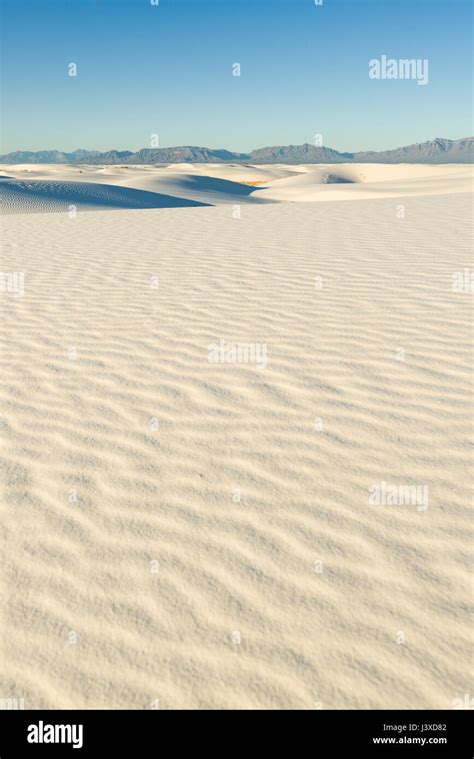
{"type": "Point", "coordinates": [204, 535]}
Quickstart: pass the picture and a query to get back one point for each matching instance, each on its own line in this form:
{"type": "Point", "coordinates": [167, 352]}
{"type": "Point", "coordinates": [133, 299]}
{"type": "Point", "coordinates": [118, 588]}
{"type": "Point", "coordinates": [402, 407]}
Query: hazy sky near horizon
{"type": "Point", "coordinates": [167, 70]}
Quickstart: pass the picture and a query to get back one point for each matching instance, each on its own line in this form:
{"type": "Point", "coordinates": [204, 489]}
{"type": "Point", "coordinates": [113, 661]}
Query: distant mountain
{"type": "Point", "coordinates": [299, 154]}
{"type": "Point", "coordinates": [50, 156]}
{"type": "Point", "coordinates": [439, 150]}
{"type": "Point", "coordinates": [26, 156]}
{"type": "Point", "coordinates": [111, 156]}
{"type": "Point", "coordinates": [186, 154]}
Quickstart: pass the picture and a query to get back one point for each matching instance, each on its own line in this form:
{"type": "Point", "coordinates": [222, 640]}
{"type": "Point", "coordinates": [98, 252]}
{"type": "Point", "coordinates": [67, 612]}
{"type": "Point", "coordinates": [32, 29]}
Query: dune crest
{"type": "Point", "coordinates": [34, 188]}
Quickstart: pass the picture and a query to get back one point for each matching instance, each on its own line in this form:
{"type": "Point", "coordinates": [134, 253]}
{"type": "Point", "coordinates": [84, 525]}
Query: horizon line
{"type": "Point", "coordinates": [242, 152]}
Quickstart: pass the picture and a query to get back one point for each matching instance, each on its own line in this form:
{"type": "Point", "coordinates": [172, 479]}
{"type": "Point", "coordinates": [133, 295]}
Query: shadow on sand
{"type": "Point", "coordinates": [48, 196]}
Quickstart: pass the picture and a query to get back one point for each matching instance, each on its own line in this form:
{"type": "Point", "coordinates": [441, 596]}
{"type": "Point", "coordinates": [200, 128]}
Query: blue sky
{"type": "Point", "coordinates": [167, 70]}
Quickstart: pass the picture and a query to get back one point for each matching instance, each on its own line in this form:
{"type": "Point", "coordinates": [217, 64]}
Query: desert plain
{"type": "Point", "coordinates": [287, 533]}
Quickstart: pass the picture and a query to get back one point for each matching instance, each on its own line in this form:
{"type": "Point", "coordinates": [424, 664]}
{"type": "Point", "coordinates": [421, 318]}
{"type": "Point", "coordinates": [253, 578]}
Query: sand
{"type": "Point", "coordinates": [188, 534]}
{"type": "Point", "coordinates": [35, 188]}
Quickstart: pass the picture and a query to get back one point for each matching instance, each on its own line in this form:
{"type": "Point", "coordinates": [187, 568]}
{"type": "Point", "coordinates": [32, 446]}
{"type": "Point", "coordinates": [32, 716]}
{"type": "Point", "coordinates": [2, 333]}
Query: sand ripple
{"type": "Point", "coordinates": [205, 530]}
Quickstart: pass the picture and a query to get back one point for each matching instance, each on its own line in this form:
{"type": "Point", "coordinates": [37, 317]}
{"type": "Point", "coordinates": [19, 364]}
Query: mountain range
{"type": "Point", "coordinates": [438, 150]}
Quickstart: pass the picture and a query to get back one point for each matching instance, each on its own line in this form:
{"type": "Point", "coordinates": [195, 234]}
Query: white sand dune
{"type": "Point", "coordinates": [236, 172]}
{"type": "Point", "coordinates": [201, 534]}
{"type": "Point", "coordinates": [48, 196]}
{"type": "Point", "coordinates": [198, 187]}
{"type": "Point", "coordinates": [370, 181]}
{"type": "Point", "coordinates": [42, 188]}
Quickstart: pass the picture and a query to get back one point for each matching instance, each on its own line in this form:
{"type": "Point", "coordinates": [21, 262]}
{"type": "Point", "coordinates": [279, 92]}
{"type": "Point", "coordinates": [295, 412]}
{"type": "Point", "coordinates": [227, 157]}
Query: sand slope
{"type": "Point", "coordinates": [363, 182]}
{"type": "Point", "coordinates": [124, 446]}
{"type": "Point", "coordinates": [33, 188]}
{"type": "Point", "coordinates": [48, 196]}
